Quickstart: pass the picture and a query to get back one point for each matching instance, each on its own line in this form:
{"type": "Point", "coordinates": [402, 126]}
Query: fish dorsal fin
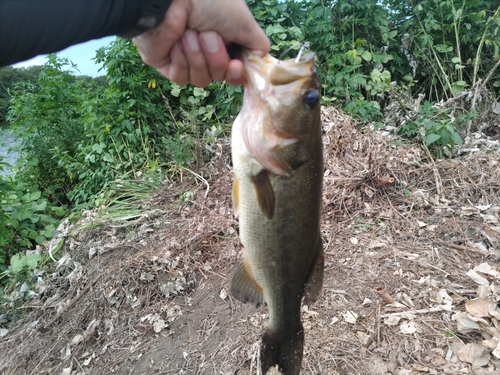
{"type": "Point", "coordinates": [244, 287]}
{"type": "Point", "coordinates": [236, 196]}
{"type": "Point", "coordinates": [315, 282]}
{"type": "Point", "coordinates": [265, 193]}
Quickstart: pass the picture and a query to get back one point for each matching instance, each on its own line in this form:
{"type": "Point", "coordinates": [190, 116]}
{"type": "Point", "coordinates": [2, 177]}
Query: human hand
{"type": "Point", "coordinates": [189, 46]}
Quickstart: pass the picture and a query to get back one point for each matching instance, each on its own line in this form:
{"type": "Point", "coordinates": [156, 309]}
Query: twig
{"type": "Point", "coordinates": [458, 247]}
{"type": "Point", "coordinates": [480, 86]}
{"type": "Point", "coordinates": [200, 177]}
{"type": "Point", "coordinates": [72, 302]}
{"type": "Point", "coordinates": [422, 311]}
{"type": "Point", "coordinates": [490, 73]}
{"type": "Point", "coordinates": [378, 326]}
{"type": "Point", "coordinates": [473, 105]}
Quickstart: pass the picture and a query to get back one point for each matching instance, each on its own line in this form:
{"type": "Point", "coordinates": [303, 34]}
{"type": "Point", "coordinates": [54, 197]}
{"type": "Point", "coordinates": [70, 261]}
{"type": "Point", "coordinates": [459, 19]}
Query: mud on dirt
{"type": "Point", "coordinates": [411, 275]}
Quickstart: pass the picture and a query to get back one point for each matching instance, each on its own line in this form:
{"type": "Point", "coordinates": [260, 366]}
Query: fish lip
{"type": "Point", "coordinates": [275, 72]}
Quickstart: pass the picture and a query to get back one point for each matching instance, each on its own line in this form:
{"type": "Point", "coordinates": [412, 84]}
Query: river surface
{"type": "Point", "coordinates": [7, 141]}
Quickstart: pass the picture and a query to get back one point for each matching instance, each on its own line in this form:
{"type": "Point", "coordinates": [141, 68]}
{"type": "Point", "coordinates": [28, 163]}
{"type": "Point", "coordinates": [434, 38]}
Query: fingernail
{"type": "Point", "coordinates": [211, 41]}
{"type": "Point", "coordinates": [236, 74]}
{"type": "Point", "coordinates": [192, 40]}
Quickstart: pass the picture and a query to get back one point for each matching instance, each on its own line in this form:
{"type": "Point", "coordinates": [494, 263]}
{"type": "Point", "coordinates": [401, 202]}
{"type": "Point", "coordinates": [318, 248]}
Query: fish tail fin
{"type": "Point", "coordinates": [282, 350]}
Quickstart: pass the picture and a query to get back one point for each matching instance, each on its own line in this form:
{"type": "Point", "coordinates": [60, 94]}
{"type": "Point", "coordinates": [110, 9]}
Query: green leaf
{"type": "Point", "coordinates": [35, 195]}
{"type": "Point", "coordinates": [431, 138]}
{"type": "Point", "coordinates": [367, 56]}
{"type": "Point", "coordinates": [40, 240]}
{"type": "Point", "coordinates": [32, 260]}
{"type": "Point", "coordinates": [16, 263]}
{"type": "Point", "coordinates": [456, 138]}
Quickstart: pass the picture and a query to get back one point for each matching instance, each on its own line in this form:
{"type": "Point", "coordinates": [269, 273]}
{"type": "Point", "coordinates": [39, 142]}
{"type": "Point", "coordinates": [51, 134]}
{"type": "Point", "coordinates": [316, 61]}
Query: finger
{"type": "Point", "coordinates": [252, 36]}
{"type": "Point", "coordinates": [235, 73]}
{"type": "Point", "coordinates": [215, 54]}
{"type": "Point", "coordinates": [199, 74]}
{"type": "Point", "coordinates": [179, 67]}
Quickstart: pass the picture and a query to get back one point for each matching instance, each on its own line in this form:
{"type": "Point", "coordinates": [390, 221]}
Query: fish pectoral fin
{"type": "Point", "coordinates": [265, 193]}
{"type": "Point", "coordinates": [236, 196]}
{"type": "Point", "coordinates": [315, 282]}
{"type": "Point", "coordinates": [244, 287]}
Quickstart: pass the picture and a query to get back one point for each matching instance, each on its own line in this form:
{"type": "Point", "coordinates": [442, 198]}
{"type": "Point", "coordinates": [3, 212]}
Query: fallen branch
{"type": "Point", "coordinates": [422, 311]}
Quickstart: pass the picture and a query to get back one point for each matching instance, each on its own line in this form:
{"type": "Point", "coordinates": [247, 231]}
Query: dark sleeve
{"type": "Point", "coordinates": [32, 27]}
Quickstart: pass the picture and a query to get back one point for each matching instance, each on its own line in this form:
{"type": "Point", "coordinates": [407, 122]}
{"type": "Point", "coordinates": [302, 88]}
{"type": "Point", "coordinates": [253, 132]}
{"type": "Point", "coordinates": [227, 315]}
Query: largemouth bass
{"type": "Point", "coordinates": [278, 164]}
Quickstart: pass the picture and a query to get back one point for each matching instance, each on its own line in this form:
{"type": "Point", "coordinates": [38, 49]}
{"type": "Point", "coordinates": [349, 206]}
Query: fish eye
{"type": "Point", "coordinates": [311, 98]}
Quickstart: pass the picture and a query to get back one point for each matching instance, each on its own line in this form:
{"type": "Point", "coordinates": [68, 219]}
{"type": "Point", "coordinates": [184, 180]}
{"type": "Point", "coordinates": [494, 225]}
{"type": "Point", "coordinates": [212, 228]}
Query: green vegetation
{"type": "Point", "coordinates": [106, 142]}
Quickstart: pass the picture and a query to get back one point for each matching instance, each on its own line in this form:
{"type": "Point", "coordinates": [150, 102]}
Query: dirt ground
{"type": "Point", "coordinates": [411, 276]}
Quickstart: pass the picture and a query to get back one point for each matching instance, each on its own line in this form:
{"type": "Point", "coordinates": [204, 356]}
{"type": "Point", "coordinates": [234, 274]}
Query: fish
{"type": "Point", "coordinates": [277, 154]}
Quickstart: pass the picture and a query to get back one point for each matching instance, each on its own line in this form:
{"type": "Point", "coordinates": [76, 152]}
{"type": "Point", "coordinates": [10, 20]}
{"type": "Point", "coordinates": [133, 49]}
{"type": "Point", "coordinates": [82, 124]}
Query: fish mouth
{"type": "Point", "coordinates": [271, 76]}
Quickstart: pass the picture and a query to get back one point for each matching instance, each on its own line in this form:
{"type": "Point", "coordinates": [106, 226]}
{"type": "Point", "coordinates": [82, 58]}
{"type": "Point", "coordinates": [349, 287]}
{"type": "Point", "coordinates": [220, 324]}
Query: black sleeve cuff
{"type": "Point", "coordinates": [153, 13]}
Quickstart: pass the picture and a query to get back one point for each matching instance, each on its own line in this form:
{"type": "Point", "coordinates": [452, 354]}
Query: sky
{"type": "Point", "coordinates": [80, 54]}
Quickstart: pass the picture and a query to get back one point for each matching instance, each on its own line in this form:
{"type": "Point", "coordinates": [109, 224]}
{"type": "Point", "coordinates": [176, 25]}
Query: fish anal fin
{"type": "Point", "coordinates": [244, 287]}
{"type": "Point", "coordinates": [265, 193]}
{"type": "Point", "coordinates": [236, 196]}
{"type": "Point", "coordinates": [315, 282]}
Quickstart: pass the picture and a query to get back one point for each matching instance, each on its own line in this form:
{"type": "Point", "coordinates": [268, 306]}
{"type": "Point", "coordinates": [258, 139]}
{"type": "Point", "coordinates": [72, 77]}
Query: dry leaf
{"type": "Point", "coordinates": [367, 302]}
{"type": "Point", "coordinates": [443, 298]}
{"type": "Point", "coordinates": [483, 291]}
{"type": "Point", "coordinates": [480, 246]}
{"type": "Point", "coordinates": [436, 357]}
{"type": "Point", "coordinates": [490, 344]}
{"type": "Point", "coordinates": [420, 368]}
{"type": "Point", "coordinates": [483, 207]}
{"type": "Point", "coordinates": [487, 269]}
{"type": "Point", "coordinates": [408, 327]}
{"type": "Point", "coordinates": [473, 353]}
{"type": "Point", "coordinates": [481, 307]}
{"type": "Point", "coordinates": [496, 351]}
{"type": "Point", "coordinates": [464, 323]}
{"type": "Point", "coordinates": [489, 219]}
{"type": "Point", "coordinates": [407, 300]}
{"type": "Point", "coordinates": [223, 294]}
{"type": "Point", "coordinates": [392, 320]}
{"type": "Point", "coordinates": [375, 244]}
{"type": "Point", "coordinates": [467, 211]}
{"type": "Point", "coordinates": [91, 329]}
{"type": "Point", "coordinates": [159, 325]}
{"type": "Point", "coordinates": [477, 278]}
{"type": "Point", "coordinates": [77, 339]}
{"type": "Point", "coordinates": [350, 316]}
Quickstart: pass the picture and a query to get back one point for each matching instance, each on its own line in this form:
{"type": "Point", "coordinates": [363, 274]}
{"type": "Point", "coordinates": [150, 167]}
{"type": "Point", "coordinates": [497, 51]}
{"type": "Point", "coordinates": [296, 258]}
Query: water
{"type": "Point", "coordinates": [7, 141]}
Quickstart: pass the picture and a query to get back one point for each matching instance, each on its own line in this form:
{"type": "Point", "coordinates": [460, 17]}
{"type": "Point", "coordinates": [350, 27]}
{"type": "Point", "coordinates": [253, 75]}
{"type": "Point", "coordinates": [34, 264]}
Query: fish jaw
{"type": "Point", "coordinates": [274, 115]}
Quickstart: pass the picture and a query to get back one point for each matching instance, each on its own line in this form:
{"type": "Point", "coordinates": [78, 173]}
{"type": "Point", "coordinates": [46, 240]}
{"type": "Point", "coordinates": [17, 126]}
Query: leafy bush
{"type": "Point", "coordinates": [436, 128]}
{"type": "Point", "coordinates": [47, 120]}
{"type": "Point", "coordinates": [26, 218]}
